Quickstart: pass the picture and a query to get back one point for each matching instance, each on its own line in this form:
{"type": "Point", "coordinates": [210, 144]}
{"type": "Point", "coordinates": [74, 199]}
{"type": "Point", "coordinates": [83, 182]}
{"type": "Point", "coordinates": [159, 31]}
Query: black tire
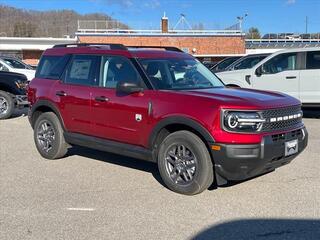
{"type": "Point", "coordinates": [190, 181]}
{"type": "Point", "coordinates": [7, 108]}
{"type": "Point", "coordinates": [48, 146]}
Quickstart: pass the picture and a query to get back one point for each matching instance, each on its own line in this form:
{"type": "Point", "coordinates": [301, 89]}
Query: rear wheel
{"type": "Point", "coordinates": [48, 136]}
{"type": "Point", "coordinates": [184, 163]}
{"type": "Point", "coordinates": [6, 105]}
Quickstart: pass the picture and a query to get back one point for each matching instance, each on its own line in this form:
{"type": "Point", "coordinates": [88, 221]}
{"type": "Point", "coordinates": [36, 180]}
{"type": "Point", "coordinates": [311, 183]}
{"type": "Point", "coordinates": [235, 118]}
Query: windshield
{"type": "Point", "coordinates": [248, 62]}
{"type": "Point", "coordinates": [179, 74]}
{"type": "Point", "coordinates": [225, 63]}
{"type": "Point", "coordinates": [15, 63]}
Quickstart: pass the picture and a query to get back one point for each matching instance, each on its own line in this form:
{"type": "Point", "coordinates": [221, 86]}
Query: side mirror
{"type": "Point", "coordinates": [258, 71]}
{"type": "Point", "coordinates": [128, 87]}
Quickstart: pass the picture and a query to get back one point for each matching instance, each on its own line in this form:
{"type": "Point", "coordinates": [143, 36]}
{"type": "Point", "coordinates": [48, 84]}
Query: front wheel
{"type": "Point", "coordinates": [6, 105]}
{"type": "Point", "coordinates": [184, 163]}
{"type": "Point", "coordinates": [48, 136]}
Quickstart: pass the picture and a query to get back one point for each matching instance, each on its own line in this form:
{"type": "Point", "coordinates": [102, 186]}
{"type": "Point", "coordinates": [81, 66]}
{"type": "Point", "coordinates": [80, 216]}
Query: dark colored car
{"type": "Point", "coordinates": [12, 93]}
{"type": "Point", "coordinates": [223, 64]}
{"type": "Point", "coordinates": [247, 62]}
{"type": "Point", "coordinates": [164, 106]}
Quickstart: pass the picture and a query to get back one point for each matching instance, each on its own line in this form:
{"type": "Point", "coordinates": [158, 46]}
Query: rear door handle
{"type": "Point", "coordinates": [101, 99]}
{"type": "Point", "coordinates": [291, 77]}
{"type": "Point", "coordinates": [61, 93]}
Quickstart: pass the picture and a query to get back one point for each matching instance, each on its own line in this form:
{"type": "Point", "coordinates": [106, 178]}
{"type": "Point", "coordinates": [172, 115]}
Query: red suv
{"type": "Point", "coordinates": [164, 106]}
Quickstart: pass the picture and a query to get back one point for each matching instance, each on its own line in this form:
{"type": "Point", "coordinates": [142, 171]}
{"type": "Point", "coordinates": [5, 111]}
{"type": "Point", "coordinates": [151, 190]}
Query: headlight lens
{"type": "Point", "coordinates": [21, 84]}
{"type": "Point", "coordinates": [242, 121]}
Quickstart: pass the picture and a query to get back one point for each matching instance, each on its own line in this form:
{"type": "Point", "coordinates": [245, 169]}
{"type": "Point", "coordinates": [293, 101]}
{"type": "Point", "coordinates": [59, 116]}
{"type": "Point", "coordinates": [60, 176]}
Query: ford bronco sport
{"type": "Point", "coordinates": [164, 106]}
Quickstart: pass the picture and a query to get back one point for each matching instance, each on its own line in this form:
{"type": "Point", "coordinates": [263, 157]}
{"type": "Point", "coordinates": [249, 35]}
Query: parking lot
{"type": "Point", "coordinates": [96, 195]}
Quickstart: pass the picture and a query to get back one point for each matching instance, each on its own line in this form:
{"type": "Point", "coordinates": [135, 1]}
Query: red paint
{"type": "Point", "coordinates": [115, 119]}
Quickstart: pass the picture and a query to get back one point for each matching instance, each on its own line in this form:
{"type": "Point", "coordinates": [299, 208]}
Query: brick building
{"type": "Point", "coordinates": [209, 45]}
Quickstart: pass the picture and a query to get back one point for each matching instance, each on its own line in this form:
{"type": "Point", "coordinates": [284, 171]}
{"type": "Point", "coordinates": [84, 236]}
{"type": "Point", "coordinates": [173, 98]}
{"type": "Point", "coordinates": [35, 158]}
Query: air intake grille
{"type": "Point", "coordinates": [287, 116]}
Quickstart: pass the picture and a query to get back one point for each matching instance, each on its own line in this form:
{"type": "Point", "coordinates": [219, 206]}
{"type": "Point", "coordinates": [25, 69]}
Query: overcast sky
{"type": "Point", "coordinates": [267, 15]}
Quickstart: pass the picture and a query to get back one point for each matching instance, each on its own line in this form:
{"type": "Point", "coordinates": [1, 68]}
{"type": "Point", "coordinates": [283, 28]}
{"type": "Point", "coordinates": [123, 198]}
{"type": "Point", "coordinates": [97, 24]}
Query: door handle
{"type": "Point", "coordinates": [101, 99]}
{"type": "Point", "coordinates": [291, 77]}
{"type": "Point", "coordinates": [61, 93]}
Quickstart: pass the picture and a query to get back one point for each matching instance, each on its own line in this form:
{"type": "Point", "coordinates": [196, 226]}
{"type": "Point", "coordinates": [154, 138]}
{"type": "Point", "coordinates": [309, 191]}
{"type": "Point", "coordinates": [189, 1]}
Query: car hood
{"type": "Point", "coordinates": [245, 98]}
{"type": "Point", "coordinates": [27, 72]}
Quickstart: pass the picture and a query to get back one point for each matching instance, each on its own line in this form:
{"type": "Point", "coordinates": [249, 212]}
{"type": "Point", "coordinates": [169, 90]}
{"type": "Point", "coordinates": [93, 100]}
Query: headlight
{"type": "Point", "coordinates": [242, 121]}
{"type": "Point", "coordinates": [21, 84]}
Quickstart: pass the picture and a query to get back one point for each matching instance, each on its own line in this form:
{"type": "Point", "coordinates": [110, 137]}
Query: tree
{"type": "Point", "coordinates": [253, 33]}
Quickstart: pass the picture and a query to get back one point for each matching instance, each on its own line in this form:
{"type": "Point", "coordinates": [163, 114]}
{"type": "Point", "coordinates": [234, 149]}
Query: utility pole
{"type": "Point", "coordinates": [306, 24]}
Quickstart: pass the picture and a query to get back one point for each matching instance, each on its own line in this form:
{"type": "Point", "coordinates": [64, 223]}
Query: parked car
{"type": "Point", "coordinates": [292, 71]}
{"type": "Point", "coordinates": [246, 62]}
{"type": "Point", "coordinates": [164, 106]}
{"type": "Point", "coordinates": [11, 64]}
{"type": "Point", "coordinates": [12, 93]}
{"type": "Point", "coordinates": [223, 64]}
{"type": "Point", "coordinates": [209, 65]}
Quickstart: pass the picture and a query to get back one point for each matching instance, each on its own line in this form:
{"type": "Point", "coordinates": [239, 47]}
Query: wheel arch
{"type": "Point", "coordinates": [44, 106]}
{"type": "Point", "coordinates": [176, 123]}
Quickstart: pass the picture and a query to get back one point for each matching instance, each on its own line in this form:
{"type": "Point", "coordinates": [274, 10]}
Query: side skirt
{"type": "Point", "coordinates": [109, 146]}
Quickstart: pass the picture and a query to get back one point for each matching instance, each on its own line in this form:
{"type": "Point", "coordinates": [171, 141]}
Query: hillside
{"type": "Point", "coordinates": [16, 22]}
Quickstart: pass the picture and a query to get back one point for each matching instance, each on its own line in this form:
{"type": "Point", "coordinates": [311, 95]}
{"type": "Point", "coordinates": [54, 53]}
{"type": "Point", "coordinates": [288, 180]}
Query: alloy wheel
{"type": "Point", "coordinates": [3, 105]}
{"type": "Point", "coordinates": [181, 164]}
{"type": "Point", "coordinates": [45, 136]}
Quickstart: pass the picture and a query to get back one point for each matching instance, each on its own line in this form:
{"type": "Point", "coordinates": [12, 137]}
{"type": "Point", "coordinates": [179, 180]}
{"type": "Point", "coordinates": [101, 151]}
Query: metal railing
{"type": "Point", "coordinates": [117, 28]}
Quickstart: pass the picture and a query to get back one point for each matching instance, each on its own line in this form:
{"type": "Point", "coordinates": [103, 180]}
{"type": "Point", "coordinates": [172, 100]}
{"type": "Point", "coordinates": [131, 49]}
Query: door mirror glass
{"type": "Point", "coordinates": [259, 71]}
{"type": "Point", "coordinates": [128, 87]}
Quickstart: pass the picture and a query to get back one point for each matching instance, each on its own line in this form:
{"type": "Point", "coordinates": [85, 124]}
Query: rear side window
{"type": "Point", "coordinates": [51, 67]}
{"type": "Point", "coordinates": [82, 70]}
{"type": "Point", "coordinates": [313, 60]}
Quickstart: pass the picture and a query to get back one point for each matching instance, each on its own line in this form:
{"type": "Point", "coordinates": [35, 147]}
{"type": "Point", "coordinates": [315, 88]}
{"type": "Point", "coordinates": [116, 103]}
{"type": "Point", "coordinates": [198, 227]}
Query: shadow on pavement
{"type": "Point", "coordinates": [19, 113]}
{"type": "Point", "coordinates": [260, 229]}
{"type": "Point", "coordinates": [118, 160]}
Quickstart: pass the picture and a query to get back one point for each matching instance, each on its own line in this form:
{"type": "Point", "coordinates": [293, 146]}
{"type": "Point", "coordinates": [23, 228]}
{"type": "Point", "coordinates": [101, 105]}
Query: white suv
{"type": "Point", "coordinates": [292, 71]}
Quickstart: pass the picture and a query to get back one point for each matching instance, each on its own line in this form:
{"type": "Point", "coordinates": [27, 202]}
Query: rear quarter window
{"type": "Point", "coordinates": [313, 60]}
{"type": "Point", "coordinates": [52, 67]}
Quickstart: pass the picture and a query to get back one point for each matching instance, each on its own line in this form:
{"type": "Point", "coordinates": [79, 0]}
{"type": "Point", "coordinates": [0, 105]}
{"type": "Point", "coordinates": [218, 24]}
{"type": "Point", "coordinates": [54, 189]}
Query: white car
{"type": "Point", "coordinates": [292, 71]}
{"type": "Point", "coordinates": [10, 64]}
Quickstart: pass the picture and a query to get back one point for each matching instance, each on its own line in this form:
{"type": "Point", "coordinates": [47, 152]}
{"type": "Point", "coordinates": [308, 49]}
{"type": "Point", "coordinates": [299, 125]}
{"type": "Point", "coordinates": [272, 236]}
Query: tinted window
{"type": "Point", "coordinates": [281, 62]}
{"type": "Point", "coordinates": [51, 67]}
{"type": "Point", "coordinates": [3, 68]}
{"type": "Point", "coordinates": [115, 69]}
{"type": "Point", "coordinates": [14, 63]}
{"type": "Point", "coordinates": [225, 63]}
{"type": "Point", "coordinates": [82, 70]}
{"type": "Point", "coordinates": [313, 60]}
{"type": "Point", "coordinates": [248, 62]}
{"type": "Point", "coordinates": [179, 74]}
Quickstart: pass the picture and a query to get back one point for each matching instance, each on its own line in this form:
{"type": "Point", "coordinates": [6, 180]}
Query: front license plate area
{"type": "Point", "coordinates": [291, 147]}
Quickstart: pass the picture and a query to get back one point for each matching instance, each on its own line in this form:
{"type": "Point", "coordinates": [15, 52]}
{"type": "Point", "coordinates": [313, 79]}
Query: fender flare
{"type": "Point", "coordinates": [179, 120]}
{"type": "Point", "coordinates": [48, 104]}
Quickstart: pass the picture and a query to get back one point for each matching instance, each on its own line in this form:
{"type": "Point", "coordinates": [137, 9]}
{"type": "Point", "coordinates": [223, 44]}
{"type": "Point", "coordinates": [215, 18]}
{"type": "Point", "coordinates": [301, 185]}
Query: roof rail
{"type": "Point", "coordinates": [112, 46]}
{"type": "Point", "coordinates": [167, 48]}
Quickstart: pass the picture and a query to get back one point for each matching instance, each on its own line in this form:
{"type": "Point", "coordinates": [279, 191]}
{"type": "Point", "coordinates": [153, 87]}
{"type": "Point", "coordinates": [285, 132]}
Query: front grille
{"type": "Point", "coordinates": [290, 135]}
{"type": "Point", "coordinates": [283, 124]}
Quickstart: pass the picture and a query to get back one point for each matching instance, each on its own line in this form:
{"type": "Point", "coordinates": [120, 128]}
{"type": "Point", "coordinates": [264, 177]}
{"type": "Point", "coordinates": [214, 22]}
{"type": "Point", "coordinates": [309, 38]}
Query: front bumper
{"type": "Point", "coordinates": [235, 162]}
{"type": "Point", "coordinates": [21, 100]}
